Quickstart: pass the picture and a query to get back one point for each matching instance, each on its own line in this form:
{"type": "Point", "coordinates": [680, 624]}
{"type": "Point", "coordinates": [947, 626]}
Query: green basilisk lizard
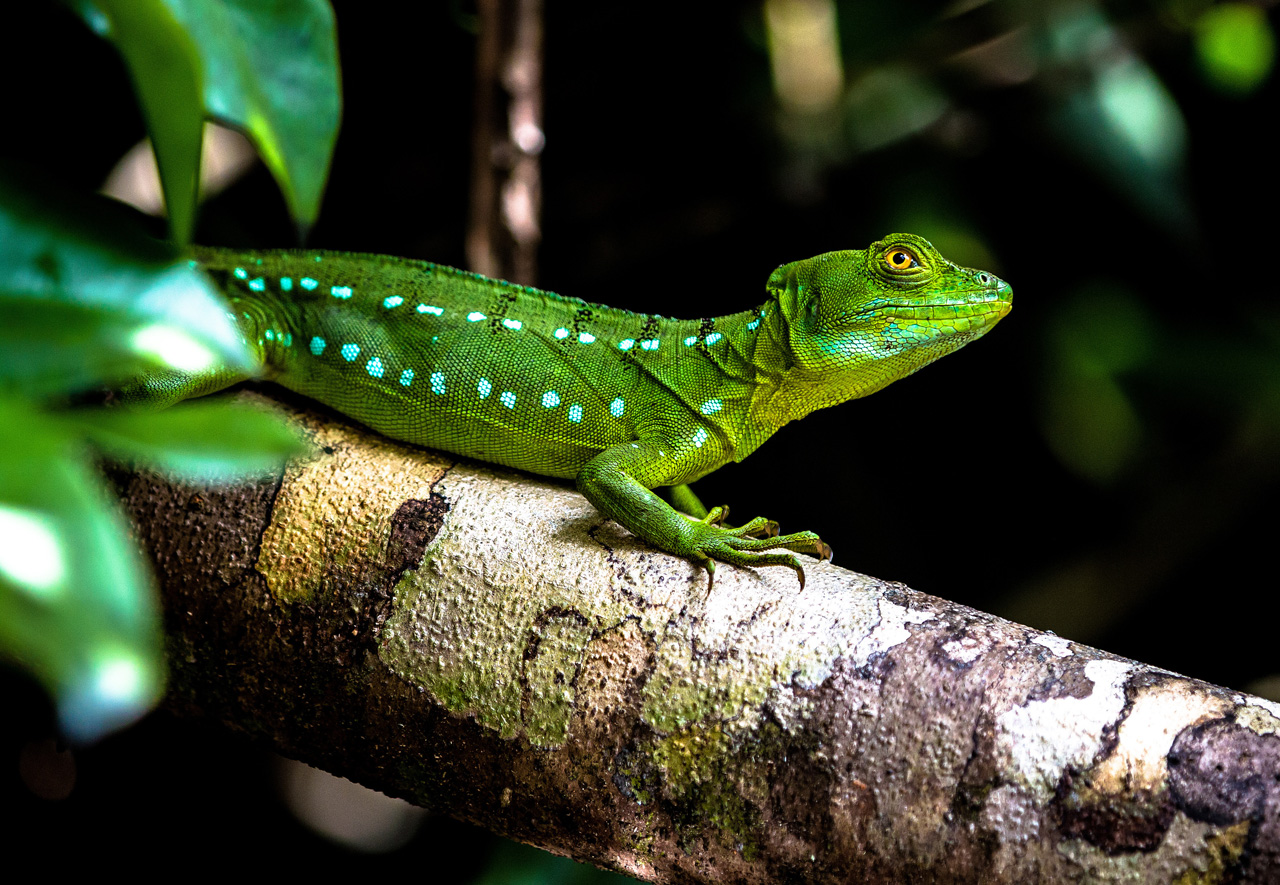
{"type": "Point", "coordinates": [621, 402]}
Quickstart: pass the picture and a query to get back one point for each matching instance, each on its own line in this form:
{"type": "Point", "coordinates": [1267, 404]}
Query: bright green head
{"type": "Point", "coordinates": [859, 320]}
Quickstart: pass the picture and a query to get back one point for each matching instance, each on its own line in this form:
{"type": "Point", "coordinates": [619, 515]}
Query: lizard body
{"type": "Point", "coordinates": [620, 402]}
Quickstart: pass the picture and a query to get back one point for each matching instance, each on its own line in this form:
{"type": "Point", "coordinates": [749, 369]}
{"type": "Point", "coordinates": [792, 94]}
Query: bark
{"type": "Point", "coordinates": [484, 644]}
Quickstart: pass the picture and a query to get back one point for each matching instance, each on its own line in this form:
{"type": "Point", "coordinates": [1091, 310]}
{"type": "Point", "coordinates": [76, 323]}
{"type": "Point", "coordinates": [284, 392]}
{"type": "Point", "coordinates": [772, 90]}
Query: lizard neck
{"type": "Point", "coordinates": [786, 390]}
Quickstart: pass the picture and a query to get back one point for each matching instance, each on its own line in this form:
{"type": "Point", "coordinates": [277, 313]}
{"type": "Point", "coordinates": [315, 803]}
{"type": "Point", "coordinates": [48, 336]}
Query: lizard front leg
{"type": "Point", "coordinates": [618, 480]}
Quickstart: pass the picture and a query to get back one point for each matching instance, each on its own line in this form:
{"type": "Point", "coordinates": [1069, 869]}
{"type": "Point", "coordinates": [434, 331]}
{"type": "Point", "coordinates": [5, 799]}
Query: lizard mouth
{"type": "Point", "coordinates": [964, 304]}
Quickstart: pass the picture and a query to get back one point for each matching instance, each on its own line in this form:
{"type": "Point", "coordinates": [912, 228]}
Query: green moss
{"type": "Point", "coordinates": [713, 784]}
{"type": "Point", "coordinates": [1224, 849]}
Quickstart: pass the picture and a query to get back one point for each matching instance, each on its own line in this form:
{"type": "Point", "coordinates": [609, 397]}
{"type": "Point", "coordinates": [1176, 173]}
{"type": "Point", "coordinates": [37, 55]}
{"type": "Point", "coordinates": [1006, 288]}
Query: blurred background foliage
{"type": "Point", "coordinates": [1101, 465]}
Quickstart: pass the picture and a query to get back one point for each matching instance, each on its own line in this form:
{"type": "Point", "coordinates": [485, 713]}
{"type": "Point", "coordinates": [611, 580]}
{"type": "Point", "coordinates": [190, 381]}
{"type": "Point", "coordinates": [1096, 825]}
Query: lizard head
{"type": "Point", "coordinates": [861, 319]}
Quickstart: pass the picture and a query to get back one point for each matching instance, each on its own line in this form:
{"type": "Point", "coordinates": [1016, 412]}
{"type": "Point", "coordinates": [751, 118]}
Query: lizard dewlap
{"type": "Point", "coordinates": [620, 402]}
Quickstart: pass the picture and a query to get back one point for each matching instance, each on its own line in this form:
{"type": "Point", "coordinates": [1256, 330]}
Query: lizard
{"type": "Point", "coordinates": [621, 403]}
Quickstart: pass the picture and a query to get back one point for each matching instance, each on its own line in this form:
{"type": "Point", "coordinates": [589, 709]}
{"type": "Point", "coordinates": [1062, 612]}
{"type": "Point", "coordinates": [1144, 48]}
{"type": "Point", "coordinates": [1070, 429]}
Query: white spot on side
{"type": "Point", "coordinates": [431, 309]}
{"type": "Point", "coordinates": [690, 341]}
{"type": "Point", "coordinates": [700, 437]}
{"type": "Point", "coordinates": [406, 377]}
{"type": "Point", "coordinates": [575, 413]}
{"type": "Point", "coordinates": [374, 367]}
{"type": "Point", "coordinates": [586, 338]}
{"type": "Point", "coordinates": [753, 324]}
{"type": "Point", "coordinates": [626, 344]}
{"type": "Point", "coordinates": [513, 325]}
{"type": "Point", "coordinates": [711, 406]}
{"type": "Point", "coordinates": [508, 399]}
{"type": "Point", "coordinates": [317, 345]}
{"type": "Point", "coordinates": [308, 283]}
{"type": "Point", "coordinates": [617, 407]}
{"type": "Point", "coordinates": [649, 344]}
{"type": "Point", "coordinates": [561, 334]}
{"type": "Point", "coordinates": [392, 301]}
{"type": "Point", "coordinates": [714, 337]}
{"type": "Point", "coordinates": [31, 554]}
{"type": "Point", "coordinates": [437, 383]}
{"type": "Point", "coordinates": [483, 387]}
{"type": "Point", "coordinates": [1045, 738]}
{"type": "Point", "coordinates": [342, 293]}
{"type": "Point", "coordinates": [350, 351]}
{"type": "Point", "coordinates": [550, 399]}
{"type": "Point", "coordinates": [475, 316]}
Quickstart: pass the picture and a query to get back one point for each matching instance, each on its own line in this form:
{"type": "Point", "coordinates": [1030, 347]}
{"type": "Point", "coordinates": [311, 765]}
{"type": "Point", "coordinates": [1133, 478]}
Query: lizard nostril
{"type": "Point", "coordinates": [984, 278]}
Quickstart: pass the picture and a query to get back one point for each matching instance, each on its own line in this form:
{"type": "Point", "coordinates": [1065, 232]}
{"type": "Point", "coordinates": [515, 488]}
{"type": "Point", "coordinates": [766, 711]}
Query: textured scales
{"type": "Point", "coordinates": [621, 402]}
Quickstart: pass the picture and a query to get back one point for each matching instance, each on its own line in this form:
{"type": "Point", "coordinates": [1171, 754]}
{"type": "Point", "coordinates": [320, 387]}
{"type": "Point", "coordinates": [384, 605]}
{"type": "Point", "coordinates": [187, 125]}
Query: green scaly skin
{"type": "Point", "coordinates": [621, 402]}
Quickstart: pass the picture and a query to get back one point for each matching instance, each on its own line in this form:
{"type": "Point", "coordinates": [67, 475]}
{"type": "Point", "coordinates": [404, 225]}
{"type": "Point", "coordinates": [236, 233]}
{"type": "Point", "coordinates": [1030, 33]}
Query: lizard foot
{"type": "Point", "coordinates": [756, 528]}
{"type": "Point", "coordinates": [744, 547]}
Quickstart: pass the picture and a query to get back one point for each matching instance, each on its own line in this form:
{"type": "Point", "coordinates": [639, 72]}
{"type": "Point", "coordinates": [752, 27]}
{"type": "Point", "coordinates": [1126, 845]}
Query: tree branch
{"type": "Point", "coordinates": [506, 182]}
{"type": "Point", "coordinates": [484, 644]}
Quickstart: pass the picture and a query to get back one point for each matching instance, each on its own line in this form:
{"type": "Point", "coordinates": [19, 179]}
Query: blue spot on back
{"type": "Point", "coordinates": [317, 346]}
{"type": "Point", "coordinates": [350, 351]}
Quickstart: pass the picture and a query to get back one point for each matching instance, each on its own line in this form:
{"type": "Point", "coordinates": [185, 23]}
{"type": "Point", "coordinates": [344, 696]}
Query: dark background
{"type": "Point", "coordinates": [1103, 464]}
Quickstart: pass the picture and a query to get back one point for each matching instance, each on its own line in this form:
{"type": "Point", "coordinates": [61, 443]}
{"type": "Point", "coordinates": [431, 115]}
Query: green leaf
{"type": "Point", "coordinates": [76, 606]}
{"type": "Point", "coordinates": [271, 69]}
{"type": "Point", "coordinates": [267, 67]}
{"type": "Point", "coordinates": [165, 66]}
{"type": "Point", "coordinates": [214, 440]}
{"type": "Point", "coordinates": [78, 272]}
{"type": "Point", "coordinates": [48, 348]}
{"type": "Point", "coordinates": [1236, 46]}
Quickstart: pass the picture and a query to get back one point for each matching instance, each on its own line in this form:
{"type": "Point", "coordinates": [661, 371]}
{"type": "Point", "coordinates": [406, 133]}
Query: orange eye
{"type": "Point", "coordinates": [901, 259]}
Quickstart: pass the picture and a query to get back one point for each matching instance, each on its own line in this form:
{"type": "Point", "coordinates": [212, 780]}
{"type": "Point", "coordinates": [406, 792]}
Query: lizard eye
{"type": "Point", "coordinates": [901, 259]}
